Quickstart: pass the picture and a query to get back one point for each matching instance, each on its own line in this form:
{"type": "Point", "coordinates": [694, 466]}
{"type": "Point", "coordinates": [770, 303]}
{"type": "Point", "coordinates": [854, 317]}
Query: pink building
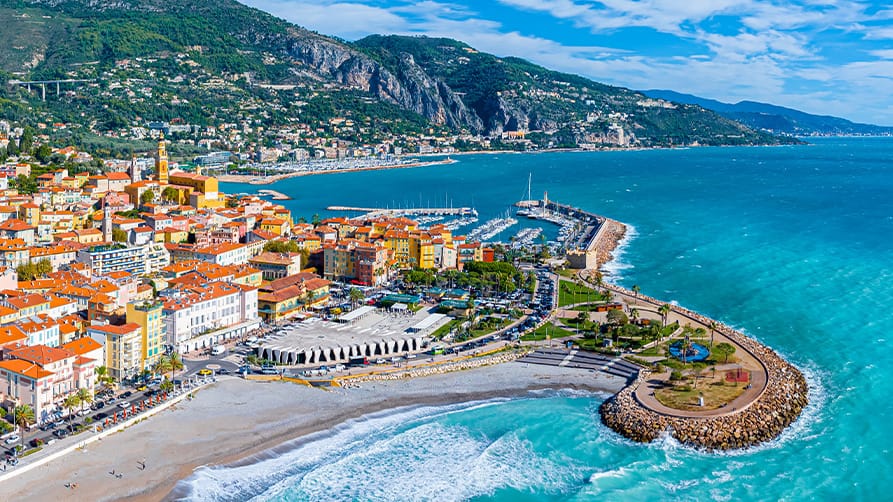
{"type": "Point", "coordinates": [42, 377]}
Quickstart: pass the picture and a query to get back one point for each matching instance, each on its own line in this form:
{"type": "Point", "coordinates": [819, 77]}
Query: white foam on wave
{"type": "Point", "coordinates": [615, 267]}
{"type": "Point", "coordinates": [433, 461]}
{"type": "Point", "coordinates": [242, 482]}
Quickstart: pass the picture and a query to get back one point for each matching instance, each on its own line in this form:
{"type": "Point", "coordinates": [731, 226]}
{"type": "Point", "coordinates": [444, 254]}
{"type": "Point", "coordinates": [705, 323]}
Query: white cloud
{"type": "Point", "coordinates": [770, 58]}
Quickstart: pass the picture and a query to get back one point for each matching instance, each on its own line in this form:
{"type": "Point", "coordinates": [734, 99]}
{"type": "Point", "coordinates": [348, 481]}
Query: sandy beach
{"type": "Point", "coordinates": [234, 419]}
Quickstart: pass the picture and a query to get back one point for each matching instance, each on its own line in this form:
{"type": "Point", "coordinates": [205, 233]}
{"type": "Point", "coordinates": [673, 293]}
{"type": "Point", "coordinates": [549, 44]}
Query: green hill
{"type": "Point", "coordinates": [218, 63]}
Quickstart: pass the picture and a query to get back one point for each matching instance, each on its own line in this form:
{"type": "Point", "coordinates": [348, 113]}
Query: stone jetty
{"type": "Point", "coordinates": [762, 419]}
{"type": "Point", "coordinates": [434, 369]}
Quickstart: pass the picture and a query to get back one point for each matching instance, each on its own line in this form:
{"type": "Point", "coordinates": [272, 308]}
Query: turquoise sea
{"type": "Point", "coordinates": [792, 245]}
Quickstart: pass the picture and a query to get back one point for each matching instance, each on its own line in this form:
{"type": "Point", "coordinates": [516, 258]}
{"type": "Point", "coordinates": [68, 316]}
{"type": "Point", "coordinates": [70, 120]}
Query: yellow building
{"type": "Point", "coordinates": [148, 316]}
{"type": "Point", "coordinates": [30, 213]}
{"type": "Point", "coordinates": [161, 174]}
{"type": "Point", "coordinates": [275, 225]}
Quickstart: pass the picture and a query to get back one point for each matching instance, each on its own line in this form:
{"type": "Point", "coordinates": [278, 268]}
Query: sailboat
{"type": "Point", "coordinates": [525, 209]}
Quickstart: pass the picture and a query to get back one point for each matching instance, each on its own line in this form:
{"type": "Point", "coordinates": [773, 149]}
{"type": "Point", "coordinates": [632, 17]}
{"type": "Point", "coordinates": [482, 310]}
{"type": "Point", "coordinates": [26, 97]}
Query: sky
{"type": "Point", "coordinates": [828, 57]}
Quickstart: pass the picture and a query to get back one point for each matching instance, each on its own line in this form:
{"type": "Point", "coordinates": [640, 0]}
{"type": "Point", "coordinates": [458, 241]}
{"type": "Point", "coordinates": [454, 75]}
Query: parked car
{"type": "Point", "coordinates": [60, 433]}
{"type": "Point", "coordinates": [12, 439]}
{"type": "Point", "coordinates": [205, 372]}
{"type": "Point", "coordinates": [123, 405]}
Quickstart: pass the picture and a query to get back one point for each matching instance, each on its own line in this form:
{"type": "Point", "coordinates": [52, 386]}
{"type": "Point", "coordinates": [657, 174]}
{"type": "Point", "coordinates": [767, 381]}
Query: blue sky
{"type": "Point", "coordinates": [831, 57]}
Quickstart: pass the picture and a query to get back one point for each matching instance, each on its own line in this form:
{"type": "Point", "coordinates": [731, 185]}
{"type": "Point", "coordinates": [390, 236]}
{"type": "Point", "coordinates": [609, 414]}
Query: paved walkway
{"type": "Point", "coordinates": [645, 393]}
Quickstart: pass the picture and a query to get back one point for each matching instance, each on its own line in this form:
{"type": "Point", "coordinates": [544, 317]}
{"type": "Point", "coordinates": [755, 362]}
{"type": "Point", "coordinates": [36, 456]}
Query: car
{"type": "Point", "coordinates": [380, 361]}
{"type": "Point", "coordinates": [411, 356]}
{"type": "Point", "coordinates": [12, 439]}
{"type": "Point", "coordinates": [13, 461]}
{"type": "Point", "coordinates": [126, 395]}
{"type": "Point", "coordinates": [110, 401]}
{"type": "Point", "coordinates": [205, 372]}
{"type": "Point", "coordinates": [142, 388]}
{"type": "Point", "coordinates": [47, 426]}
{"type": "Point", "coordinates": [223, 371]}
{"type": "Point", "coordinates": [60, 433]}
{"type": "Point", "coordinates": [59, 423]}
{"type": "Point", "coordinates": [123, 405]}
{"type": "Point", "coordinates": [100, 416]}
{"type": "Point", "coordinates": [83, 413]}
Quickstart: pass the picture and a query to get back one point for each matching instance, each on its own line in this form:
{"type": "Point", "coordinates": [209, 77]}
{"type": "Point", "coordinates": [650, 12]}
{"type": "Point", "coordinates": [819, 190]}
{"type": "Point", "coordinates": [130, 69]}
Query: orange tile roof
{"type": "Point", "coordinates": [11, 334]}
{"type": "Point", "coordinates": [82, 345]}
{"type": "Point", "coordinates": [123, 329]}
{"type": "Point", "coordinates": [41, 354]}
{"type": "Point", "coordinates": [25, 368]}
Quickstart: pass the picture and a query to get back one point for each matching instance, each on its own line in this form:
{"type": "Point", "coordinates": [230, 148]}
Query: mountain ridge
{"type": "Point", "coordinates": [205, 61]}
{"type": "Point", "coordinates": [778, 119]}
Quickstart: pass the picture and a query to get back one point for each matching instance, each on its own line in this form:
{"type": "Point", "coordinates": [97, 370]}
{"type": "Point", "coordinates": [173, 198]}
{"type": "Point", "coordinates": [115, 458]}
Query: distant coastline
{"type": "Point", "coordinates": [268, 180]}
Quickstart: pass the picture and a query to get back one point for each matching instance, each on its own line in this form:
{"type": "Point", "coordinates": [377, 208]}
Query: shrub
{"type": "Point", "coordinates": [676, 375]}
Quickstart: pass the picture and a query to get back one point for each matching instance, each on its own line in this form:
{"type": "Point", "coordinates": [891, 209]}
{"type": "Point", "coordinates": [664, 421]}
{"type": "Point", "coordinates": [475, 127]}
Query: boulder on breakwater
{"type": "Point", "coordinates": [763, 419]}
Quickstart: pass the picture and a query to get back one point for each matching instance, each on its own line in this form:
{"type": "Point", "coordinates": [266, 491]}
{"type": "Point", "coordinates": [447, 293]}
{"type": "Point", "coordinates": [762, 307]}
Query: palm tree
{"type": "Point", "coordinates": [85, 396]}
{"type": "Point", "coordinates": [170, 363]}
{"type": "Point", "coordinates": [23, 416]}
{"type": "Point", "coordinates": [634, 314]}
{"type": "Point", "coordinates": [355, 296]}
{"type": "Point", "coordinates": [664, 313]}
{"type": "Point", "coordinates": [636, 290]}
{"type": "Point", "coordinates": [71, 402]}
{"type": "Point", "coordinates": [712, 327]}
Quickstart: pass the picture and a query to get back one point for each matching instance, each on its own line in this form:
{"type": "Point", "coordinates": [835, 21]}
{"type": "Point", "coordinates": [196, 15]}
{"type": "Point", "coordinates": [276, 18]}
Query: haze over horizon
{"type": "Point", "coordinates": [827, 57]}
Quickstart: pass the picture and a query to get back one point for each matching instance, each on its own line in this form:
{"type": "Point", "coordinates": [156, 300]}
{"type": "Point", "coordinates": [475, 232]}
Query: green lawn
{"type": "Point", "coordinates": [445, 329]}
{"type": "Point", "coordinates": [570, 293]}
{"type": "Point", "coordinates": [547, 329]}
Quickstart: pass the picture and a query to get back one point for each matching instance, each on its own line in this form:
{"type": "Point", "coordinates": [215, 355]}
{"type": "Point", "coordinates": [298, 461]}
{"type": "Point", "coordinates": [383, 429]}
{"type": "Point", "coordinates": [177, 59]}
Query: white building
{"type": "Point", "coordinates": [200, 316]}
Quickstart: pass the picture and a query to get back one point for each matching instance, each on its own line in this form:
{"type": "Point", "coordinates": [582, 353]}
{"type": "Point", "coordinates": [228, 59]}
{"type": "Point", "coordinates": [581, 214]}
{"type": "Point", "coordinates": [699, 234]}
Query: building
{"type": "Point", "coordinates": [148, 315]}
{"type": "Point", "coordinates": [161, 174]}
{"type": "Point", "coordinates": [103, 259]}
{"type": "Point", "coordinates": [42, 377]}
{"type": "Point", "coordinates": [287, 297]}
{"type": "Point", "coordinates": [200, 315]}
{"type": "Point", "coordinates": [277, 265]}
{"type": "Point", "coordinates": [123, 348]}
{"type": "Point", "coordinates": [352, 260]}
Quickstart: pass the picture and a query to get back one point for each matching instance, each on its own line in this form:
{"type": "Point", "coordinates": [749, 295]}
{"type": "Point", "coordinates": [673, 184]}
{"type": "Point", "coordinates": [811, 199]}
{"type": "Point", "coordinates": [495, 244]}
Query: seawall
{"type": "Point", "coordinates": [763, 419]}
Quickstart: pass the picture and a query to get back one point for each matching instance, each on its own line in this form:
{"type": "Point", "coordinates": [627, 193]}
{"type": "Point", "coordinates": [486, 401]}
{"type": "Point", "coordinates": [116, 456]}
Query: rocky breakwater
{"type": "Point", "coordinates": [435, 369]}
{"type": "Point", "coordinates": [763, 419]}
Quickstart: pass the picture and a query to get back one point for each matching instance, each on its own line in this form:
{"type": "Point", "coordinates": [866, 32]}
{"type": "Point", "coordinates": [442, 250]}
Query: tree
{"type": "Point", "coordinates": [617, 316]}
{"type": "Point", "coordinates": [102, 376]}
{"type": "Point", "coordinates": [355, 296]}
{"type": "Point", "coordinates": [724, 349]}
{"type": "Point", "coordinates": [147, 197]}
{"type": "Point", "coordinates": [712, 327]}
{"type": "Point", "coordinates": [71, 402]}
{"type": "Point", "coordinates": [44, 267]}
{"type": "Point", "coordinates": [582, 317]}
{"type": "Point", "coordinates": [636, 290]}
{"type": "Point", "coordinates": [634, 314]}
{"type": "Point", "coordinates": [664, 313]}
{"type": "Point", "coordinates": [281, 246]}
{"type": "Point", "coordinates": [27, 271]}
{"type": "Point", "coordinates": [23, 417]}
{"type": "Point", "coordinates": [315, 220]}
{"type": "Point", "coordinates": [170, 194]}
{"type": "Point", "coordinates": [166, 385]}
{"type": "Point", "coordinates": [43, 153]}
{"type": "Point", "coordinates": [85, 396]}
{"type": "Point", "coordinates": [119, 235]}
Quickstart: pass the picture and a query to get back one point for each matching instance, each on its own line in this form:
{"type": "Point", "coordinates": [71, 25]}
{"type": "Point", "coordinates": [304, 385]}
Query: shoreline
{"type": "Point", "coordinates": [269, 180]}
{"type": "Point", "coordinates": [179, 440]}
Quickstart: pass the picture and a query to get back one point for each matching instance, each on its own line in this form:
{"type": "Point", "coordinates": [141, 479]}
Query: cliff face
{"type": "Point", "coordinates": [445, 82]}
{"type": "Point", "coordinates": [407, 86]}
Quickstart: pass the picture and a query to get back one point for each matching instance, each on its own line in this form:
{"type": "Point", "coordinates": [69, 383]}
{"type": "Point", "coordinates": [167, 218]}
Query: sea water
{"type": "Point", "coordinates": [792, 245]}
